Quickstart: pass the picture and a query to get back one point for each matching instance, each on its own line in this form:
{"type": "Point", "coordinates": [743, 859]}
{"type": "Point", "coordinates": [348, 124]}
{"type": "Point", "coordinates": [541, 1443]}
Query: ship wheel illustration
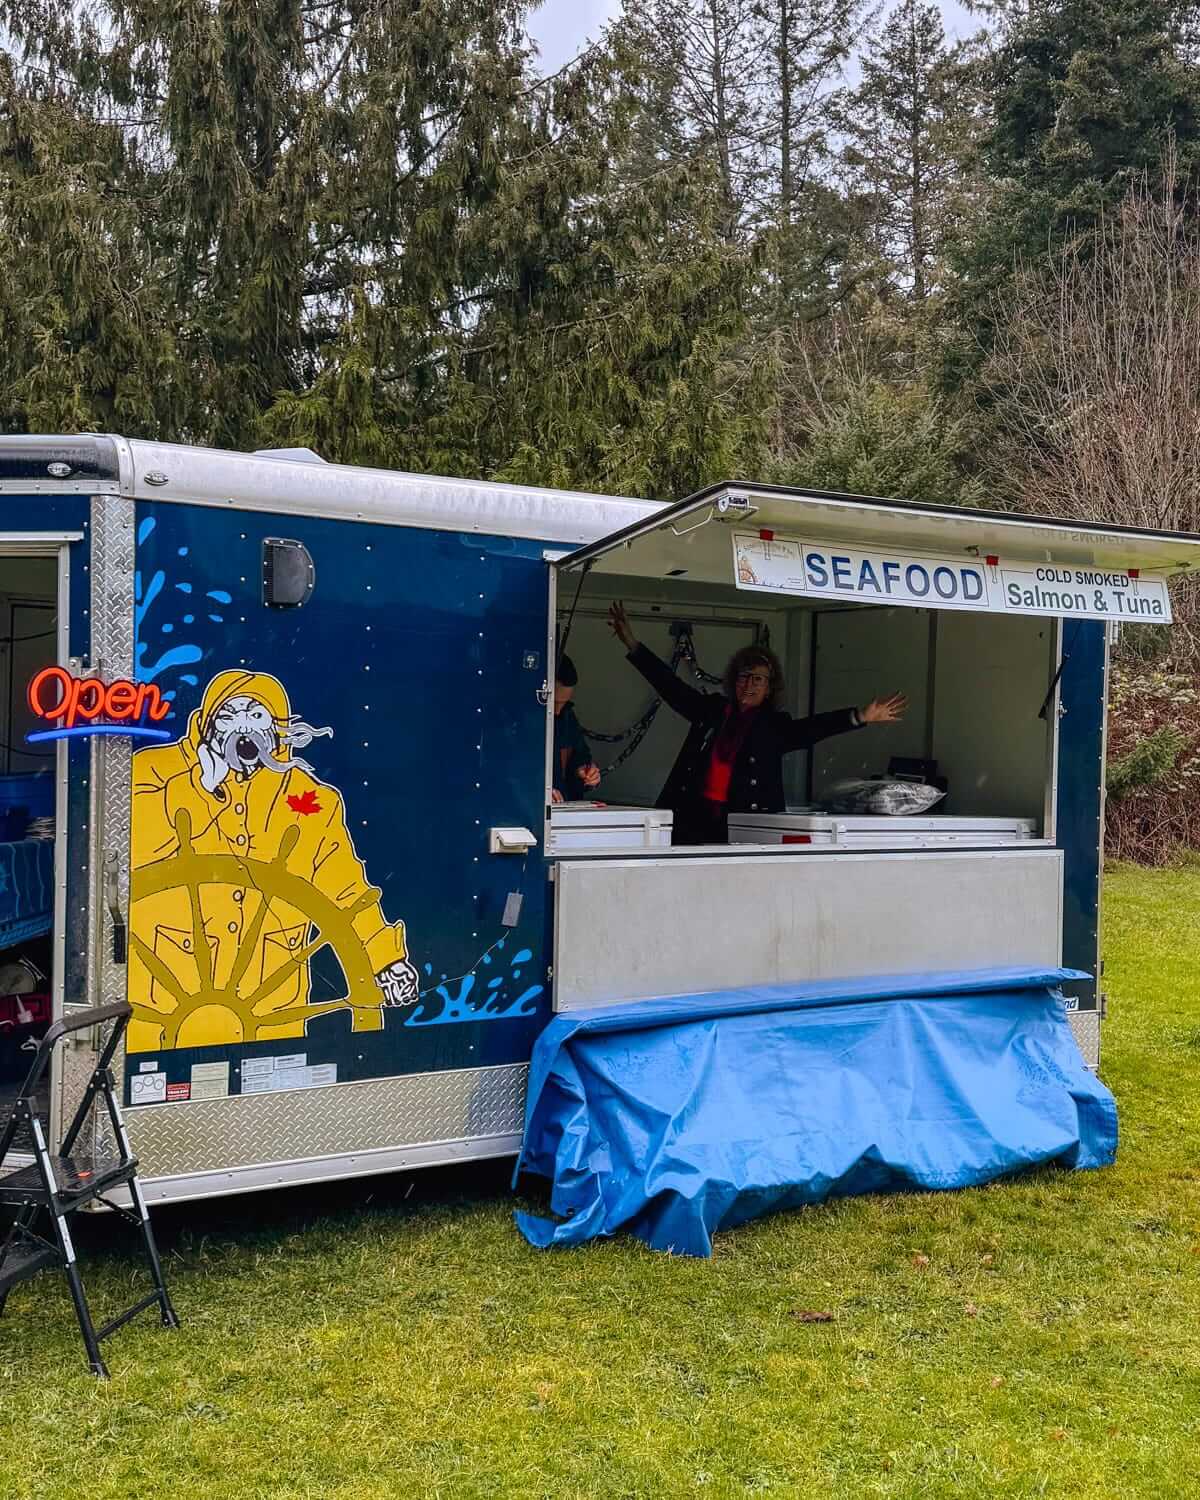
{"type": "Point", "coordinates": [330, 926]}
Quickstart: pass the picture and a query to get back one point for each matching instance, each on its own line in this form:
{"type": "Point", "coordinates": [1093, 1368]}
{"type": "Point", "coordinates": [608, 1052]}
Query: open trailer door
{"type": "Point", "coordinates": [47, 547]}
{"type": "Point", "coordinates": [997, 627]}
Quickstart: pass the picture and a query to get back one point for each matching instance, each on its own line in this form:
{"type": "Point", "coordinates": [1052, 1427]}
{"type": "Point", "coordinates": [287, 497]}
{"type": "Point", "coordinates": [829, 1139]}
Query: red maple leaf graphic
{"type": "Point", "coordinates": [304, 804]}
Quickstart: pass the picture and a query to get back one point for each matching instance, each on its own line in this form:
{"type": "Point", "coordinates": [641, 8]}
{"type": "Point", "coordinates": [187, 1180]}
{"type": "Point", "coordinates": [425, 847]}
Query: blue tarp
{"type": "Point", "coordinates": [671, 1119]}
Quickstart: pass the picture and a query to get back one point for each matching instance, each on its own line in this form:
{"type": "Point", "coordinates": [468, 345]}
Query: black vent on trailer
{"type": "Point", "coordinates": [288, 573]}
{"type": "Point", "coordinates": [62, 459]}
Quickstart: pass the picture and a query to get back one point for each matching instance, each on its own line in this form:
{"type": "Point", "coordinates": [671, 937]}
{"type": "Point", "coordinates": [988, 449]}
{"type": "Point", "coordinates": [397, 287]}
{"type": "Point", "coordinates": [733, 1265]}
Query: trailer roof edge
{"type": "Point", "coordinates": [47, 460]}
{"type": "Point", "coordinates": [283, 485]}
{"type": "Point", "coordinates": [277, 485]}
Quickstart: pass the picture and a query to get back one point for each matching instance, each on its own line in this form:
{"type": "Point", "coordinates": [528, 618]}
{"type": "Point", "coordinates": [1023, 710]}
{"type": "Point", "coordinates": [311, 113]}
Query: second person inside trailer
{"type": "Point", "coordinates": [575, 772]}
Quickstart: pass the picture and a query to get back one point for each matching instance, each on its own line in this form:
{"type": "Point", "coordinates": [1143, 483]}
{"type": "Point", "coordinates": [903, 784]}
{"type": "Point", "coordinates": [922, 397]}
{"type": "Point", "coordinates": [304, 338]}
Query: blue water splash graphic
{"type": "Point", "coordinates": [456, 1000]}
{"type": "Point", "coordinates": [148, 594]}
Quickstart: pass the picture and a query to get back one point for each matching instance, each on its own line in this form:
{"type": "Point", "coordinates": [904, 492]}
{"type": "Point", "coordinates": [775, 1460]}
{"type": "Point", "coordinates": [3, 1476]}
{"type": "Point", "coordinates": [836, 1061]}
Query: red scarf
{"type": "Point", "coordinates": [726, 747]}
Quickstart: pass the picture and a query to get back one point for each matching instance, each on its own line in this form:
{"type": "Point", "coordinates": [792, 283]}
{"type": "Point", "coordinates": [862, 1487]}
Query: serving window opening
{"type": "Point", "coordinates": [969, 765]}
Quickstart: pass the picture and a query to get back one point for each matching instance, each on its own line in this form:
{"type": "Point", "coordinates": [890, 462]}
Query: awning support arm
{"type": "Point", "coordinates": [1057, 678]}
{"type": "Point", "coordinates": [566, 635]}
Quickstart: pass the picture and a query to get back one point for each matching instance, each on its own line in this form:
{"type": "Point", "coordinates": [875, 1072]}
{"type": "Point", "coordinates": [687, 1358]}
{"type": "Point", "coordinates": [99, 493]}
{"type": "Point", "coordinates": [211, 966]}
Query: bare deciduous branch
{"type": "Point", "coordinates": [1096, 368]}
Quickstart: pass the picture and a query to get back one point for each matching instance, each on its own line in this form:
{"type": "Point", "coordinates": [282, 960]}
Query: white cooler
{"type": "Point", "coordinates": [877, 831]}
{"type": "Point", "coordinates": [583, 825]}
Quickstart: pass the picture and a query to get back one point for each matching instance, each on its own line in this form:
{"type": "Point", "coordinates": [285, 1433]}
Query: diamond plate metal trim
{"type": "Point", "coordinates": [110, 607]}
{"type": "Point", "coordinates": [261, 1129]}
{"type": "Point", "coordinates": [76, 1062]}
{"type": "Point", "coordinates": [1086, 1026]}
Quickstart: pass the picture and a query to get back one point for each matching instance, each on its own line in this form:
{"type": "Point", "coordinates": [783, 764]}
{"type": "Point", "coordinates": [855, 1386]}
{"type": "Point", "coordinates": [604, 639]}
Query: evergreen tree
{"type": "Point", "coordinates": [807, 43]}
{"type": "Point", "coordinates": [817, 229]}
{"type": "Point", "coordinates": [707, 70]}
{"type": "Point", "coordinates": [883, 439]}
{"type": "Point", "coordinates": [1084, 96]}
{"type": "Point", "coordinates": [739, 92]}
{"type": "Point", "coordinates": [909, 128]}
{"type": "Point", "coordinates": [363, 226]}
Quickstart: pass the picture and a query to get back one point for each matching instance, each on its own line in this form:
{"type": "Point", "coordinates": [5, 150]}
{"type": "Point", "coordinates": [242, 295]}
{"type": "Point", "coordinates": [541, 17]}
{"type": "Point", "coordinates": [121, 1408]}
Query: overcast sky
{"type": "Point", "coordinates": [562, 27]}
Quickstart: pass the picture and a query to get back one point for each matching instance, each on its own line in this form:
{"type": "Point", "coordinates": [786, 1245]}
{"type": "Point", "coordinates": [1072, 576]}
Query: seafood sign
{"type": "Point", "coordinates": [765, 562]}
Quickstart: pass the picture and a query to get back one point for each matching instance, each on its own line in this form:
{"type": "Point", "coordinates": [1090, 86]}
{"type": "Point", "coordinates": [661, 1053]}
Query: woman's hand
{"type": "Point", "coordinates": [590, 776]}
{"type": "Point", "coordinates": [618, 623]}
{"type": "Point", "coordinates": [884, 710]}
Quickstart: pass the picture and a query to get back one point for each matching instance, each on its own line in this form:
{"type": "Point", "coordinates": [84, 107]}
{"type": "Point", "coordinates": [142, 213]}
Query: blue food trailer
{"type": "Point", "coordinates": [278, 742]}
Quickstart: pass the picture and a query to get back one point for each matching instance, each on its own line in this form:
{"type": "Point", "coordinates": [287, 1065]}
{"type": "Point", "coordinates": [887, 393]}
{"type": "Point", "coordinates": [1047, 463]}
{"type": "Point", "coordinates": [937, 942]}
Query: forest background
{"type": "Point", "coordinates": [810, 241]}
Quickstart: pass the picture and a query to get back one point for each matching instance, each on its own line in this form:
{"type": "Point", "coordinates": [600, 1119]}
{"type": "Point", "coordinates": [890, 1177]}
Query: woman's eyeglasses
{"type": "Point", "coordinates": [760, 679]}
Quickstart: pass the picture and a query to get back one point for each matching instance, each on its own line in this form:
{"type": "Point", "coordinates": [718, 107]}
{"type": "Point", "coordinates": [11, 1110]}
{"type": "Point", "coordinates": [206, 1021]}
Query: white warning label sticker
{"type": "Point", "coordinates": [271, 1075]}
{"type": "Point", "coordinates": [210, 1080]}
{"type": "Point", "coordinates": [147, 1088]}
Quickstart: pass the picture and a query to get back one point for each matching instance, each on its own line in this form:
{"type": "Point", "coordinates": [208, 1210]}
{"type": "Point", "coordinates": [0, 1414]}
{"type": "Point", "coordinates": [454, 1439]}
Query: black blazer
{"type": "Point", "coordinates": [756, 784]}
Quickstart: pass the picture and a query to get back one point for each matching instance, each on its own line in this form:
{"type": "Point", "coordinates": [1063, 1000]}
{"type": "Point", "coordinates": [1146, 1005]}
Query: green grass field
{"type": "Point", "coordinates": [1036, 1338]}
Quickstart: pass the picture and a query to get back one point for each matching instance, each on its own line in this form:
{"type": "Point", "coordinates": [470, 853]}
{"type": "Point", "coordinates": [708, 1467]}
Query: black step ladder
{"type": "Point", "coordinates": [45, 1194]}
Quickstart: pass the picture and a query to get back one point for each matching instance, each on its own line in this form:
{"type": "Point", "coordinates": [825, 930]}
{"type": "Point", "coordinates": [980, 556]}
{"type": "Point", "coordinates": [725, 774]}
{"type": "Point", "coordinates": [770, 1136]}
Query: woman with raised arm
{"type": "Point", "coordinates": [732, 758]}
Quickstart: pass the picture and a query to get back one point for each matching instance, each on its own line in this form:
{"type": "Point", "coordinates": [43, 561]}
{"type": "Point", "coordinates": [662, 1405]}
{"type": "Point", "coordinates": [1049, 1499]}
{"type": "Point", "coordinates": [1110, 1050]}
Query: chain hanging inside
{"type": "Point", "coordinates": [685, 650]}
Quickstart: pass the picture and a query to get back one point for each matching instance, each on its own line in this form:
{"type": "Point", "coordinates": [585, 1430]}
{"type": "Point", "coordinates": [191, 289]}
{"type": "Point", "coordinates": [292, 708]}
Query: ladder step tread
{"type": "Point", "coordinates": [76, 1180]}
{"type": "Point", "coordinates": [24, 1261]}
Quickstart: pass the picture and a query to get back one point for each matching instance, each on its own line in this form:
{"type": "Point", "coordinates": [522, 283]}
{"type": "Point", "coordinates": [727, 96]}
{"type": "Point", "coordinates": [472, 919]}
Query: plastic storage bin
{"type": "Point", "coordinates": [582, 825]}
{"type": "Point", "coordinates": [858, 831]}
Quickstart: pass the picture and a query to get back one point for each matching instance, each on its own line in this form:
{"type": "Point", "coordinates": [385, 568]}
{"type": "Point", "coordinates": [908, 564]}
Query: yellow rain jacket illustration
{"type": "Point", "coordinates": [234, 888]}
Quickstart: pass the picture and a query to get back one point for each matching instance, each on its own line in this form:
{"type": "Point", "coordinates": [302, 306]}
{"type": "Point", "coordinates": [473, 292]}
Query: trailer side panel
{"type": "Point", "coordinates": [319, 963]}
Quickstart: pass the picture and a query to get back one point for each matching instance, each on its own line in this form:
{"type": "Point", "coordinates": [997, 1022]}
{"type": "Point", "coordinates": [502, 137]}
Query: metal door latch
{"type": "Point", "coordinates": [112, 899]}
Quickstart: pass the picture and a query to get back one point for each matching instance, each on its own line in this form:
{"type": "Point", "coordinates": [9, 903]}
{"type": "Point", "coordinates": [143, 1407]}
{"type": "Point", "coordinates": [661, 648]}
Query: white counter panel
{"type": "Point", "coordinates": [634, 928]}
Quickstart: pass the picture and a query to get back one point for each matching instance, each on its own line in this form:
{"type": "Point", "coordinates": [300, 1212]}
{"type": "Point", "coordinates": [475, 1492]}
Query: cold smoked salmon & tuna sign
{"type": "Point", "coordinates": [765, 562]}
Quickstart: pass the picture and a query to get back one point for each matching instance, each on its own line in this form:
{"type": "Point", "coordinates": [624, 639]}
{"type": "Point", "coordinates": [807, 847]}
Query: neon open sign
{"type": "Point", "coordinates": [79, 706]}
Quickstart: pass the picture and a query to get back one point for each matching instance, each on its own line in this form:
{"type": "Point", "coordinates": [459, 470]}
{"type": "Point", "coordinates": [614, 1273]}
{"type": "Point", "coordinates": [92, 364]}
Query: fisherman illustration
{"type": "Point", "coordinates": [242, 870]}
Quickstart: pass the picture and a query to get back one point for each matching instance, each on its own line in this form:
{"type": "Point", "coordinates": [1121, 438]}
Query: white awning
{"type": "Point", "coordinates": [818, 548]}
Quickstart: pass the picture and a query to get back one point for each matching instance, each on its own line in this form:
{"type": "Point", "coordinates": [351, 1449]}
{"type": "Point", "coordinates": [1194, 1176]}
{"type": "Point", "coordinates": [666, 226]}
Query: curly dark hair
{"type": "Point", "coordinates": [747, 658]}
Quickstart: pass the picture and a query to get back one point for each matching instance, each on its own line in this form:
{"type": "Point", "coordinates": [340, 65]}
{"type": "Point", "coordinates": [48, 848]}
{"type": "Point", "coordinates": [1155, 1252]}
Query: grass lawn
{"type": "Point", "coordinates": [1036, 1338]}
